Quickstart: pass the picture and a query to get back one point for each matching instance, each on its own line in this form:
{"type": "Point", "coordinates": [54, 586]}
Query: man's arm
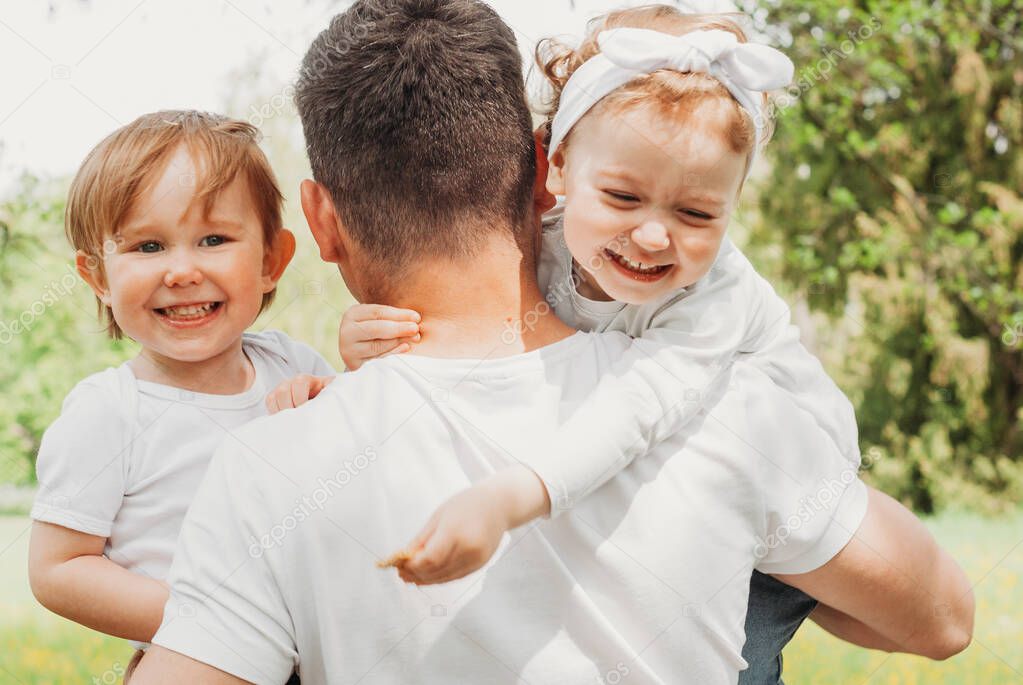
{"type": "Point", "coordinates": [161, 666]}
{"type": "Point", "coordinates": [847, 628]}
{"type": "Point", "coordinates": [895, 580]}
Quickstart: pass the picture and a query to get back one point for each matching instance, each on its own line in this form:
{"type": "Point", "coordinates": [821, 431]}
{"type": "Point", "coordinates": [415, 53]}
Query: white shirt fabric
{"type": "Point", "coordinates": [646, 581]}
{"type": "Point", "coordinates": [730, 313]}
{"type": "Point", "coordinates": [124, 458]}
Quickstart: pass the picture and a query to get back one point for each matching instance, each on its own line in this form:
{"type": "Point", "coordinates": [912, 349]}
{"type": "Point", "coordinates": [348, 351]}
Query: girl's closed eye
{"type": "Point", "coordinates": [696, 214]}
{"type": "Point", "coordinates": [621, 196]}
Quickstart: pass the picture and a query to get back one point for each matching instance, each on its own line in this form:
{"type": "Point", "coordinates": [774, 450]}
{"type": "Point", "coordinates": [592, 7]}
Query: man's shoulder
{"type": "Point", "coordinates": [352, 405]}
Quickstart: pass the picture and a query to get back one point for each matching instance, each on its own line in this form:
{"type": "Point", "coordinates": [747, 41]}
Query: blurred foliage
{"type": "Point", "coordinates": [893, 205]}
{"type": "Point", "coordinates": [49, 335]}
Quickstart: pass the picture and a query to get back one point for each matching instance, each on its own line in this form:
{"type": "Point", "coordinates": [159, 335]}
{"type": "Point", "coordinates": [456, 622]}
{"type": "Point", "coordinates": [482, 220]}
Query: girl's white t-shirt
{"type": "Point", "coordinates": [691, 337]}
{"type": "Point", "coordinates": [125, 457]}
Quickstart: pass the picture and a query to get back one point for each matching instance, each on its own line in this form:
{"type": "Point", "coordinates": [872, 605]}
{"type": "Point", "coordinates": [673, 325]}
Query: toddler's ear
{"type": "Point", "coordinates": [88, 267]}
{"type": "Point", "coordinates": [556, 174]}
{"type": "Point", "coordinates": [542, 199]}
{"type": "Point", "coordinates": [277, 258]}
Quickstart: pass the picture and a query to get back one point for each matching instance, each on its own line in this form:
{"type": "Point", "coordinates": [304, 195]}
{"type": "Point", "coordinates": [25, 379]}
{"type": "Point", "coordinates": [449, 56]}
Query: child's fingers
{"type": "Point", "coordinates": [386, 330]}
{"type": "Point", "coordinates": [318, 383]}
{"type": "Point", "coordinates": [378, 348]}
{"type": "Point", "coordinates": [424, 535]}
{"type": "Point", "coordinates": [300, 390]}
{"type": "Point", "coordinates": [282, 397]}
{"type": "Point", "coordinates": [373, 312]}
{"type": "Point", "coordinates": [400, 349]}
{"type": "Point", "coordinates": [433, 559]}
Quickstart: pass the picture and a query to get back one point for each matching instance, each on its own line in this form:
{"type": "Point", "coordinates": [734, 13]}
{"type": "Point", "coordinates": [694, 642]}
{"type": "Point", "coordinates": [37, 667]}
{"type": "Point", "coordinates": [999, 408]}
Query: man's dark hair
{"type": "Point", "coordinates": [416, 122]}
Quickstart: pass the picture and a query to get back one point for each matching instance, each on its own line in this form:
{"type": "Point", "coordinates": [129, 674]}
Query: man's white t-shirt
{"type": "Point", "coordinates": [125, 457]}
{"type": "Point", "coordinates": [645, 581]}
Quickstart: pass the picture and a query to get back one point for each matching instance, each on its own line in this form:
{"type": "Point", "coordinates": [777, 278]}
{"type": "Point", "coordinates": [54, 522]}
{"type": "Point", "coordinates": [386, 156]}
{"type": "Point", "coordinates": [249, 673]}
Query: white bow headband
{"type": "Point", "coordinates": [747, 70]}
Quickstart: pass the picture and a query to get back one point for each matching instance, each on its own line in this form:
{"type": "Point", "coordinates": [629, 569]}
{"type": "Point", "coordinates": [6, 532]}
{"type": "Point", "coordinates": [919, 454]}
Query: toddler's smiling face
{"type": "Point", "coordinates": [181, 282]}
{"type": "Point", "coordinates": [647, 199]}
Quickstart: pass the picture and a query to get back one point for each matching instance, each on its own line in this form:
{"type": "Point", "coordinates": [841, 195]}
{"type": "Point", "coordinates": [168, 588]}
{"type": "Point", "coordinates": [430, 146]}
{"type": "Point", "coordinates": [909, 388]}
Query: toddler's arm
{"type": "Point", "coordinates": [70, 576]}
{"type": "Point", "coordinates": [731, 312]}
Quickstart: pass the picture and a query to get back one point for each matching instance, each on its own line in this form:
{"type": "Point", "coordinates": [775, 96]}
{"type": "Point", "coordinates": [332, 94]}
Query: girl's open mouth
{"type": "Point", "coordinates": [189, 315]}
{"type": "Point", "coordinates": [637, 270]}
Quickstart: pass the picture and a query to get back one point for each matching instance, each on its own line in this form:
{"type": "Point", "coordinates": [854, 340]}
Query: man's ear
{"type": "Point", "coordinates": [542, 199]}
{"type": "Point", "coordinates": [88, 267]}
{"type": "Point", "coordinates": [277, 258]}
{"type": "Point", "coordinates": [323, 220]}
{"type": "Point", "coordinates": [556, 172]}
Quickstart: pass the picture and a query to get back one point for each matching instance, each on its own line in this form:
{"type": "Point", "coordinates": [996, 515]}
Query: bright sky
{"type": "Point", "coordinates": [75, 71]}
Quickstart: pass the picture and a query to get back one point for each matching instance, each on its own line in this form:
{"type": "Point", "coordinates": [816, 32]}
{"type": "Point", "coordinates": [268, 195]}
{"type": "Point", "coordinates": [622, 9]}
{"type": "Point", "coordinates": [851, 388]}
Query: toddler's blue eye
{"type": "Point", "coordinates": [149, 247]}
{"type": "Point", "coordinates": [213, 240]}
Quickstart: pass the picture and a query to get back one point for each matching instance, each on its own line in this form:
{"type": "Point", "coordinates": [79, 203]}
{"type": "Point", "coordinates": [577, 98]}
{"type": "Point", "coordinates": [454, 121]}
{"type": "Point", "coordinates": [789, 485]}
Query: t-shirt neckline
{"type": "Point", "coordinates": [253, 395]}
{"type": "Point", "coordinates": [508, 366]}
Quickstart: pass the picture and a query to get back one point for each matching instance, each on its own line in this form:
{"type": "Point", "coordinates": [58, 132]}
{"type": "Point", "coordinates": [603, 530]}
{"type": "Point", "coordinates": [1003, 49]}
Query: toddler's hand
{"type": "Point", "coordinates": [296, 391]}
{"type": "Point", "coordinates": [369, 331]}
{"type": "Point", "coordinates": [459, 538]}
{"type": "Point", "coordinates": [463, 534]}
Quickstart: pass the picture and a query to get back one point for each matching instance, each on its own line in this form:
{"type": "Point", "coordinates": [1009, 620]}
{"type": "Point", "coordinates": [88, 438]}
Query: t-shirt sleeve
{"type": "Point", "coordinates": [736, 311]}
{"type": "Point", "coordinates": [648, 393]}
{"type": "Point", "coordinates": [225, 607]}
{"type": "Point", "coordinates": [83, 459]}
{"type": "Point", "coordinates": [813, 500]}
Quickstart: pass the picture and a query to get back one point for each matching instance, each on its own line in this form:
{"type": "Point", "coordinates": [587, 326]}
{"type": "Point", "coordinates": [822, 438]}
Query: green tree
{"type": "Point", "coordinates": [894, 201]}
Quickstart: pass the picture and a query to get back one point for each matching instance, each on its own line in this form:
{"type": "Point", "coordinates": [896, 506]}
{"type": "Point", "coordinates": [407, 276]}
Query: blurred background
{"type": "Point", "coordinates": [887, 210]}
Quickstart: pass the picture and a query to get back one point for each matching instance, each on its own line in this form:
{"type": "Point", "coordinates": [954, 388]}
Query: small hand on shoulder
{"type": "Point", "coordinates": [367, 331]}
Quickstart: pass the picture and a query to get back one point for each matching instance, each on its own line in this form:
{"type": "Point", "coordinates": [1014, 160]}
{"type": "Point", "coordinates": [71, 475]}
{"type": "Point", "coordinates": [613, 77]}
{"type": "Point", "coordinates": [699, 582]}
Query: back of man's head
{"type": "Point", "coordinates": [416, 122]}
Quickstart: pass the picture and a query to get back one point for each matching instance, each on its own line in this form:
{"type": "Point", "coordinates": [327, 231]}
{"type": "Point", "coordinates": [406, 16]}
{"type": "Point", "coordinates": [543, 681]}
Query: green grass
{"type": "Point", "coordinates": [37, 647]}
{"type": "Point", "coordinates": [991, 552]}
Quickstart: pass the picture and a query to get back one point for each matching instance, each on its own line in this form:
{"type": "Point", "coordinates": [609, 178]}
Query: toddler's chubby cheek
{"type": "Point", "coordinates": [699, 251]}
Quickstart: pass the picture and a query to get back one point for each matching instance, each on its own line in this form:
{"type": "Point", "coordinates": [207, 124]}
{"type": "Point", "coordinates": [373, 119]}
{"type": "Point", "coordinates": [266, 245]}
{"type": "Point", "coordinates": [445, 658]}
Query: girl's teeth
{"type": "Point", "coordinates": [636, 266]}
{"type": "Point", "coordinates": [194, 310]}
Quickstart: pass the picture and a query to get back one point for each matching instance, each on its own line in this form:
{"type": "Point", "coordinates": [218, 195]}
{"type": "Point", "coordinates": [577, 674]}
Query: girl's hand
{"type": "Point", "coordinates": [459, 538]}
{"type": "Point", "coordinates": [369, 331]}
{"type": "Point", "coordinates": [296, 391]}
{"type": "Point", "coordinates": [463, 534]}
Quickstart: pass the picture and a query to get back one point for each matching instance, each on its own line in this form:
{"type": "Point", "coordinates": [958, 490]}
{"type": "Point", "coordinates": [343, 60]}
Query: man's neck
{"type": "Point", "coordinates": [481, 307]}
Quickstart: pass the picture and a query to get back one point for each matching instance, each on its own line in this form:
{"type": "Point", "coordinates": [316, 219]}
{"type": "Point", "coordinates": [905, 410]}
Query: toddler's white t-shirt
{"type": "Point", "coordinates": [125, 457]}
{"type": "Point", "coordinates": [694, 334]}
